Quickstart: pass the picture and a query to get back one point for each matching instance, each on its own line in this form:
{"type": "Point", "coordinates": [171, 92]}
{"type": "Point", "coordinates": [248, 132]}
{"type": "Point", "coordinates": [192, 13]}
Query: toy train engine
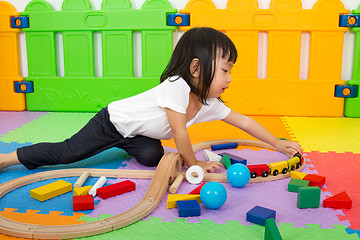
{"type": "Point", "coordinates": [278, 167]}
{"type": "Point", "coordinates": [294, 162]}
{"type": "Point", "coordinates": [258, 170]}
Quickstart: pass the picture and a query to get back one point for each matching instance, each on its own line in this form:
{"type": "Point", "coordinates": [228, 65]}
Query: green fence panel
{"type": "Point", "coordinates": [80, 89]}
{"type": "Point", "coordinates": [352, 105]}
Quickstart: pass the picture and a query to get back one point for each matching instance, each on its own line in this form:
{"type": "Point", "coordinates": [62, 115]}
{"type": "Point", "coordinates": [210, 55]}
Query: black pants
{"type": "Point", "coordinates": [96, 136]}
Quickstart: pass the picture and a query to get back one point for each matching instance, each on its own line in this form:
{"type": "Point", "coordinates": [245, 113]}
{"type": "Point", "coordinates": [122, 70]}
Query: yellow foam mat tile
{"type": "Point", "coordinates": [325, 134]}
{"type": "Point", "coordinates": [216, 130]}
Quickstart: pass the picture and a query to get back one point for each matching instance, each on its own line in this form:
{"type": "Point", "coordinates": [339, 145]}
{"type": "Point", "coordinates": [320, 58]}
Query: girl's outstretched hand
{"type": "Point", "coordinates": [210, 166]}
{"type": "Point", "coordinates": [287, 147]}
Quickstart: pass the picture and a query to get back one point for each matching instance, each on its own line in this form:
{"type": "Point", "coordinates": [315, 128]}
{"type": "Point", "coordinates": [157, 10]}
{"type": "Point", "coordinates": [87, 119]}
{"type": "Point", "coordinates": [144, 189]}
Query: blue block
{"type": "Point", "coordinates": [178, 19]}
{"type": "Point", "coordinates": [259, 215]}
{"type": "Point", "coordinates": [189, 208]}
{"type": "Point", "coordinates": [234, 159]}
{"type": "Point", "coordinates": [224, 146]}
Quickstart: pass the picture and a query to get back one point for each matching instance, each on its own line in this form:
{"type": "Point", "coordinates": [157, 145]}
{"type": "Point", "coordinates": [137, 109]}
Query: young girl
{"type": "Point", "coordinates": [191, 86]}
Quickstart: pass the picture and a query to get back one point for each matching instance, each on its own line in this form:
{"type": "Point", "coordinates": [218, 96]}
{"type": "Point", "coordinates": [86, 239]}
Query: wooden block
{"type": "Point", "coordinates": [173, 198]}
{"type": "Point", "coordinates": [271, 230]}
{"type": "Point", "coordinates": [315, 180]}
{"type": "Point", "coordinates": [81, 179]}
{"type": "Point", "coordinates": [297, 175]}
{"type": "Point", "coordinates": [226, 161]}
{"type": "Point", "coordinates": [197, 189]}
{"type": "Point", "coordinates": [51, 190]}
{"type": "Point", "coordinates": [234, 159]}
{"type": "Point", "coordinates": [294, 184]}
{"type": "Point", "coordinates": [340, 200]}
{"type": "Point", "coordinates": [308, 197]}
{"type": "Point", "coordinates": [210, 156]}
{"type": "Point", "coordinates": [188, 208]}
{"type": "Point", "coordinates": [82, 190]}
{"type": "Point", "coordinates": [116, 189]}
{"type": "Point", "coordinates": [259, 214]}
{"type": "Point", "coordinates": [84, 202]}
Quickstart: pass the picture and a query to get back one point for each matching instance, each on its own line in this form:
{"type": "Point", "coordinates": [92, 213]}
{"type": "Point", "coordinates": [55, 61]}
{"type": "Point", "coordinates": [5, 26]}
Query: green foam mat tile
{"type": "Point", "coordinates": [54, 127]}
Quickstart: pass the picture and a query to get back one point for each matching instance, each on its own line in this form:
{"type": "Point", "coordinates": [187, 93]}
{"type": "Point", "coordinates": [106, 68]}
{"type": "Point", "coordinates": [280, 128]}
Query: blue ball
{"type": "Point", "coordinates": [213, 195]}
{"type": "Point", "coordinates": [238, 175]}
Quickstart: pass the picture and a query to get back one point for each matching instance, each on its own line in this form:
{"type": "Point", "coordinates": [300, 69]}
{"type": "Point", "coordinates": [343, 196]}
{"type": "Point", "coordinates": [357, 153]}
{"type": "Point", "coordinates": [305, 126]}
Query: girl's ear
{"type": "Point", "coordinates": [195, 68]}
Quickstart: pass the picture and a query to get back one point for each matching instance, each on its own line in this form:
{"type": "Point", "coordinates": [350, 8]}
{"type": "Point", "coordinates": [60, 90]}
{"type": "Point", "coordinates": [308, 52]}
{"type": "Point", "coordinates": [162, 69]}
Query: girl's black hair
{"type": "Point", "coordinates": [204, 44]}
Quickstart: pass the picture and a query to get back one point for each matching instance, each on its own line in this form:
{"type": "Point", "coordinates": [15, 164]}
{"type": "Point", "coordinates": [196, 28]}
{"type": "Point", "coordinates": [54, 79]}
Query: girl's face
{"type": "Point", "coordinates": [222, 77]}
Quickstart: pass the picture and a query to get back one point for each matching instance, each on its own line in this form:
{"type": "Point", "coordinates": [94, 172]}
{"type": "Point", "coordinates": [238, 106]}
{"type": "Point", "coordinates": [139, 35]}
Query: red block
{"type": "Point", "coordinates": [116, 189]}
{"type": "Point", "coordinates": [84, 202]}
{"type": "Point", "coordinates": [197, 189]}
{"type": "Point", "coordinates": [315, 180]}
{"type": "Point", "coordinates": [340, 200]}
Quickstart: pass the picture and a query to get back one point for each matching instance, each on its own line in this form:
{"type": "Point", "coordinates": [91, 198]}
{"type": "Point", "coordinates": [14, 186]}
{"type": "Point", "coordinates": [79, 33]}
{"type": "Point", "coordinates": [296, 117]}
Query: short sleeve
{"type": "Point", "coordinates": [173, 94]}
{"type": "Point", "coordinates": [215, 110]}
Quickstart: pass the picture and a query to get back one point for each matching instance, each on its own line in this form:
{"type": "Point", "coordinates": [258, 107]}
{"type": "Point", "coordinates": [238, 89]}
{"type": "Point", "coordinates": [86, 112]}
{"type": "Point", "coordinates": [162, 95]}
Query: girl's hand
{"type": "Point", "coordinates": [287, 147]}
{"type": "Point", "coordinates": [210, 166]}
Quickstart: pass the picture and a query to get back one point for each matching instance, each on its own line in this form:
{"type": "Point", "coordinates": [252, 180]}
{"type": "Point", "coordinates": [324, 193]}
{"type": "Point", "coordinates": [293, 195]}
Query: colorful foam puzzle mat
{"type": "Point", "coordinates": [163, 223]}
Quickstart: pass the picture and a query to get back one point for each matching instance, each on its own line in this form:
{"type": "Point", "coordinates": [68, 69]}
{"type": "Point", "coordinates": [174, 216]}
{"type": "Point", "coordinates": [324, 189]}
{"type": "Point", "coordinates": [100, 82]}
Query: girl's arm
{"type": "Point", "coordinates": [177, 123]}
{"type": "Point", "coordinates": [252, 127]}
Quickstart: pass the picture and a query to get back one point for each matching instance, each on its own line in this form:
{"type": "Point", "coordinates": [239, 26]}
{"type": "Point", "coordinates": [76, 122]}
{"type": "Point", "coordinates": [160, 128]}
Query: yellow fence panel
{"type": "Point", "coordinates": [9, 61]}
{"type": "Point", "coordinates": [282, 92]}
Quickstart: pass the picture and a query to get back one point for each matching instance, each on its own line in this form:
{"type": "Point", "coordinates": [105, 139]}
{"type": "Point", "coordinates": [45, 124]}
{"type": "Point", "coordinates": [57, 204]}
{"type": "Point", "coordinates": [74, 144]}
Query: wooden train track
{"type": "Point", "coordinates": [167, 170]}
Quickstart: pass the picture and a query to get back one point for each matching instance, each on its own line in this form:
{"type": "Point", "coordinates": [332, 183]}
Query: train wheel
{"type": "Point", "coordinates": [297, 165]}
{"type": "Point", "coordinates": [253, 175]}
{"type": "Point", "coordinates": [292, 168]}
{"type": "Point", "coordinates": [284, 171]}
{"type": "Point", "coordinates": [265, 174]}
{"type": "Point", "coordinates": [276, 172]}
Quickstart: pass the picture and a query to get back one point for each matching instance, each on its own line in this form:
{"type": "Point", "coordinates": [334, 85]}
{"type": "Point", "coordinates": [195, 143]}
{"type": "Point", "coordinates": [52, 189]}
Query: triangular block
{"type": "Point", "coordinates": [210, 156]}
{"type": "Point", "coordinates": [197, 189]}
{"type": "Point", "coordinates": [340, 200]}
{"type": "Point", "coordinates": [173, 198]}
{"type": "Point", "coordinates": [80, 191]}
{"type": "Point", "coordinates": [271, 230]}
{"type": "Point", "coordinates": [297, 175]}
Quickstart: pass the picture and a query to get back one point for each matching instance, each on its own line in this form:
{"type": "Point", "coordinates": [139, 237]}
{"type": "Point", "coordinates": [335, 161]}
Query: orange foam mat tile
{"type": "Point", "coordinates": [215, 130]}
{"type": "Point", "coordinates": [342, 173]}
{"type": "Point", "coordinates": [325, 134]}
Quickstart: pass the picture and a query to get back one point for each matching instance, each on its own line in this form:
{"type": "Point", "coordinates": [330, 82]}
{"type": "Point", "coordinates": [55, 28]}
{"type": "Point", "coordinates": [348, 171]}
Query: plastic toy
{"type": "Point", "coordinates": [116, 189]}
{"type": "Point", "coordinates": [81, 179]}
{"type": "Point", "coordinates": [83, 202]}
{"type": "Point", "coordinates": [168, 168]}
{"type": "Point", "coordinates": [271, 230]}
{"type": "Point", "coordinates": [340, 200]}
{"type": "Point", "coordinates": [293, 163]}
{"type": "Point", "coordinates": [173, 198]}
{"type": "Point", "coordinates": [294, 184]}
{"type": "Point", "coordinates": [51, 190]}
{"type": "Point", "coordinates": [189, 208]}
{"type": "Point", "coordinates": [308, 197]}
{"type": "Point", "coordinates": [315, 180]}
{"type": "Point", "coordinates": [234, 159]}
{"type": "Point", "coordinates": [210, 156]}
{"type": "Point", "coordinates": [259, 215]}
{"type": "Point", "coordinates": [99, 183]}
{"type": "Point", "coordinates": [213, 195]}
{"type": "Point", "coordinates": [82, 190]}
{"type": "Point", "coordinates": [225, 161]}
{"type": "Point", "coordinates": [197, 189]}
{"type": "Point", "coordinates": [238, 175]}
{"type": "Point", "coordinates": [224, 146]}
{"type": "Point", "coordinates": [258, 170]}
{"type": "Point", "coordinates": [195, 174]}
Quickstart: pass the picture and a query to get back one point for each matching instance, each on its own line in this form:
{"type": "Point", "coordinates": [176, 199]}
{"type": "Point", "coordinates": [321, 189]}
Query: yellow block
{"type": "Point", "coordinates": [51, 190]}
{"type": "Point", "coordinates": [297, 175]}
{"type": "Point", "coordinates": [82, 190]}
{"type": "Point", "coordinates": [173, 198]}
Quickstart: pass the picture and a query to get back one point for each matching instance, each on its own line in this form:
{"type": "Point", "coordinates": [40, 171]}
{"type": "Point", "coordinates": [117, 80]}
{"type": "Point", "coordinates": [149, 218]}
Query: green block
{"type": "Point", "coordinates": [225, 160]}
{"type": "Point", "coordinates": [294, 184]}
{"type": "Point", "coordinates": [271, 230]}
{"type": "Point", "coordinates": [308, 197]}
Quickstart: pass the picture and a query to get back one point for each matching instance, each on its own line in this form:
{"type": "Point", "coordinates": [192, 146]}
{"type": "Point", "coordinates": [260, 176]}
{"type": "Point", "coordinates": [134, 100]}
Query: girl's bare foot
{"type": "Point", "coordinates": [8, 159]}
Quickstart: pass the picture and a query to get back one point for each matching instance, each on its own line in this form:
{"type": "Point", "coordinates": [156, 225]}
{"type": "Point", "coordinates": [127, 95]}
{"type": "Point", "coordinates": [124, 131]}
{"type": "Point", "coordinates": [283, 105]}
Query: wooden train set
{"type": "Point", "coordinates": [167, 171]}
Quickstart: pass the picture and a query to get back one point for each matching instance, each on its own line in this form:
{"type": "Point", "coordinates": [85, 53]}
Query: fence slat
{"type": "Point", "coordinates": [9, 61]}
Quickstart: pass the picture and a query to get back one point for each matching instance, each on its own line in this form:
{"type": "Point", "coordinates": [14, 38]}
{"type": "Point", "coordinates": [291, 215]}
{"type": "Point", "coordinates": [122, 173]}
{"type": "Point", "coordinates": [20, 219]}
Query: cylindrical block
{"type": "Point", "coordinates": [81, 179]}
{"type": "Point", "coordinates": [97, 185]}
{"type": "Point", "coordinates": [224, 146]}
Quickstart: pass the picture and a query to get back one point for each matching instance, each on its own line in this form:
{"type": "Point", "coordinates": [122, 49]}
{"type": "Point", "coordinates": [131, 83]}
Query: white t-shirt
{"type": "Point", "coordinates": [144, 114]}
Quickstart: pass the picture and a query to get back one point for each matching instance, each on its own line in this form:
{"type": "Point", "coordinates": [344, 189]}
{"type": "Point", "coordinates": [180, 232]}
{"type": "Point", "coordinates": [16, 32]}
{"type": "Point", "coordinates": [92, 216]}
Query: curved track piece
{"type": "Point", "coordinates": [166, 172]}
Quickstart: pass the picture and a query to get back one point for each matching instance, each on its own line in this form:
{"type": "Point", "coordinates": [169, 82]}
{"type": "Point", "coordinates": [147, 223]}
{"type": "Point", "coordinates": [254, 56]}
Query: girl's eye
{"type": "Point", "coordinates": [225, 70]}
